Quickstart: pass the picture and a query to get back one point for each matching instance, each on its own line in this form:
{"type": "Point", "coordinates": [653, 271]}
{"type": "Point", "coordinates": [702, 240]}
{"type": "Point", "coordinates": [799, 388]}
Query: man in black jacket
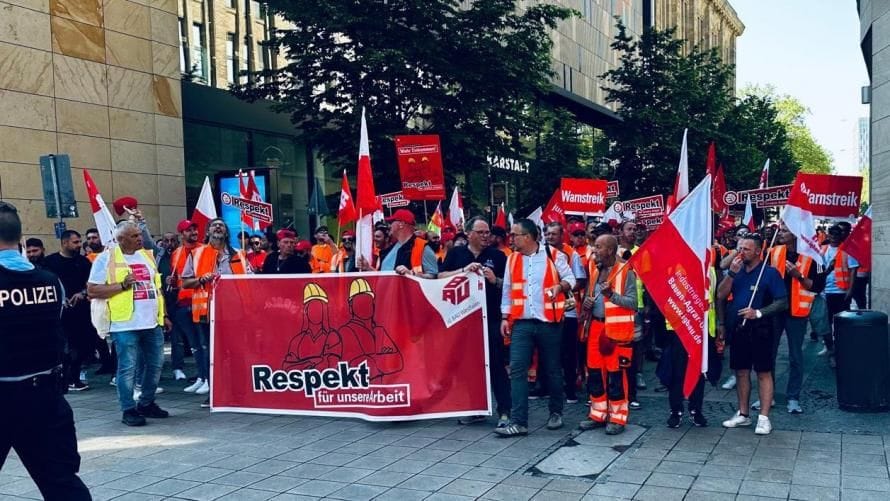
{"type": "Point", "coordinates": [284, 260]}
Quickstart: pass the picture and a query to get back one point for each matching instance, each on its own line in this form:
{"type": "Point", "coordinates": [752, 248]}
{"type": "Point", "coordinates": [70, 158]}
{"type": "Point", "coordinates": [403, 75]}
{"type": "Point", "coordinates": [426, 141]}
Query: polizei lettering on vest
{"type": "Point", "coordinates": [582, 198]}
{"type": "Point", "coordinates": [35, 295]}
{"type": "Point", "coordinates": [308, 380]}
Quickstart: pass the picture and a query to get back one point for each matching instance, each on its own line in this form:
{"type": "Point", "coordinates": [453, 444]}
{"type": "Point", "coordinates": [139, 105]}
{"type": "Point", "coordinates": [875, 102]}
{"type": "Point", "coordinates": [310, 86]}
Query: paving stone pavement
{"type": "Point", "coordinates": [824, 454]}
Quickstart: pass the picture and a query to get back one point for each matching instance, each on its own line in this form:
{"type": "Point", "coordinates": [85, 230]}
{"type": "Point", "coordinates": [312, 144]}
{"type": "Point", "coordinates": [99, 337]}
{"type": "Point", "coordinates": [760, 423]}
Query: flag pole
{"type": "Point", "coordinates": [425, 216]}
{"type": "Point", "coordinates": [760, 275]}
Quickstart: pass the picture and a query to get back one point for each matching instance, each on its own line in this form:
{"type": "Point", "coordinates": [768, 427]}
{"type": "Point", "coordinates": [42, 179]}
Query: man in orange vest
{"type": "Point", "coordinates": [409, 255]}
{"type": "Point", "coordinates": [610, 306]}
{"type": "Point", "coordinates": [205, 264]}
{"type": "Point", "coordinates": [804, 279]}
{"type": "Point", "coordinates": [839, 282]}
{"type": "Point", "coordinates": [532, 309]}
{"type": "Point", "coordinates": [323, 251]}
{"type": "Point", "coordinates": [344, 260]}
{"type": "Point", "coordinates": [180, 306]}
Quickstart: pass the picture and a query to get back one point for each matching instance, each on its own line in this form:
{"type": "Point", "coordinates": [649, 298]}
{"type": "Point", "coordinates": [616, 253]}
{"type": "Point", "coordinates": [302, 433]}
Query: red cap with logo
{"type": "Point", "coordinates": [184, 225]}
{"type": "Point", "coordinates": [285, 233]}
{"type": "Point", "coordinates": [402, 215]}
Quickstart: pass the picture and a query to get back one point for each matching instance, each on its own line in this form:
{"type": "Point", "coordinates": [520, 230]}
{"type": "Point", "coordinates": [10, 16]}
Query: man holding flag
{"type": "Point", "coordinates": [758, 294]}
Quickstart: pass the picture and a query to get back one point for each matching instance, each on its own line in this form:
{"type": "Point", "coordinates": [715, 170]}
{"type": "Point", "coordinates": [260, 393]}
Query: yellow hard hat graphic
{"type": "Point", "coordinates": [360, 286]}
{"type": "Point", "coordinates": [313, 291]}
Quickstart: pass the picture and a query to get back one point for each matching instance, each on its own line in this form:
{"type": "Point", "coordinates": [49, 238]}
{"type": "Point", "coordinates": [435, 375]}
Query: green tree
{"type": "Point", "coordinates": [471, 75]}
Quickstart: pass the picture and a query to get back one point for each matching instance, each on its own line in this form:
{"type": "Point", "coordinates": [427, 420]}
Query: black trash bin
{"type": "Point", "coordinates": [862, 351]}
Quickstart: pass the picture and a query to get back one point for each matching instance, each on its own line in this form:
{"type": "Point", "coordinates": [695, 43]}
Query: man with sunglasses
{"type": "Point", "coordinates": [344, 259]}
{"type": "Point", "coordinates": [256, 256]}
{"type": "Point", "coordinates": [323, 251]}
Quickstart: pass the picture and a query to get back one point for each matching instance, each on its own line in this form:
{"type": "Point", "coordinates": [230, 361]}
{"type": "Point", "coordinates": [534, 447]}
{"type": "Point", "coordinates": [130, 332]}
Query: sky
{"type": "Point", "coordinates": [808, 49]}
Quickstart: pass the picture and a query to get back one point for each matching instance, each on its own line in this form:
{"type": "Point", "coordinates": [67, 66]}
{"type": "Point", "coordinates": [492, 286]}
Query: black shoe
{"type": "Point", "coordinates": [674, 420]}
{"type": "Point", "coordinates": [152, 410]}
{"type": "Point", "coordinates": [133, 418]}
{"type": "Point", "coordinates": [698, 419]}
{"type": "Point", "coordinates": [538, 393]}
{"type": "Point", "coordinates": [206, 404]}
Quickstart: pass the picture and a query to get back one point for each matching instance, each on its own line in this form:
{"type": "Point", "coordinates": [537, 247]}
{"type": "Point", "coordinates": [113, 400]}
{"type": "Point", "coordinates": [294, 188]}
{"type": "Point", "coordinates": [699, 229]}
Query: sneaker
{"type": "Point", "coordinates": [614, 429]}
{"type": "Point", "coordinates": [794, 407]}
{"type": "Point", "coordinates": [194, 387]}
{"type": "Point", "coordinates": [206, 403]}
{"type": "Point", "coordinates": [159, 390]}
{"type": "Point", "coordinates": [133, 418]}
{"type": "Point", "coordinates": [178, 375]}
{"type": "Point", "coordinates": [204, 389]}
{"type": "Point", "coordinates": [152, 411]}
{"type": "Point", "coordinates": [756, 405]}
{"type": "Point", "coordinates": [555, 421]}
{"type": "Point", "coordinates": [503, 421]}
{"type": "Point", "coordinates": [730, 383]}
{"type": "Point", "coordinates": [471, 420]}
{"type": "Point", "coordinates": [641, 382]}
{"type": "Point", "coordinates": [537, 393]}
{"type": "Point", "coordinates": [78, 386]}
{"type": "Point", "coordinates": [822, 352]}
{"type": "Point", "coordinates": [511, 430]}
{"type": "Point", "coordinates": [83, 376]}
{"type": "Point", "coordinates": [571, 398]}
{"type": "Point", "coordinates": [698, 419]}
{"type": "Point", "coordinates": [737, 420]}
{"type": "Point", "coordinates": [674, 419]}
{"type": "Point", "coordinates": [137, 392]}
{"type": "Point", "coordinates": [589, 424]}
{"type": "Point", "coordinates": [635, 405]}
{"type": "Point", "coordinates": [113, 381]}
{"type": "Point", "coordinates": [763, 425]}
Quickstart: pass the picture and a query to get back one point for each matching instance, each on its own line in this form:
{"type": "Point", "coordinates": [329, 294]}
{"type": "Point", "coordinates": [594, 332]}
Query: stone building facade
{"type": "Point", "coordinates": [99, 81]}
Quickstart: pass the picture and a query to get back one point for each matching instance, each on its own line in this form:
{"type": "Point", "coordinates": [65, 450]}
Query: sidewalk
{"type": "Point", "coordinates": [822, 454]}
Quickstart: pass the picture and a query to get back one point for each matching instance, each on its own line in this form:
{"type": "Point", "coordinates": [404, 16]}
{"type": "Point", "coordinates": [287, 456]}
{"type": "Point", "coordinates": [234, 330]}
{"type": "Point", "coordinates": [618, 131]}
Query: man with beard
{"type": "Point", "coordinates": [179, 306]}
{"type": "Point", "coordinates": [344, 260]}
{"type": "Point", "coordinates": [284, 260]}
{"type": "Point", "coordinates": [35, 252]}
{"type": "Point", "coordinates": [323, 251]}
{"type": "Point", "coordinates": [94, 245]}
{"type": "Point", "coordinates": [206, 263]}
{"type": "Point", "coordinates": [479, 257]}
{"type": "Point", "coordinates": [73, 270]}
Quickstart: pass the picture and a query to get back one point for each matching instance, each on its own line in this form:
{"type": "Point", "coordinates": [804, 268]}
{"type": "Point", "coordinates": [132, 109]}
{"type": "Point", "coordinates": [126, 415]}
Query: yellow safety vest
{"type": "Point", "coordinates": [120, 306]}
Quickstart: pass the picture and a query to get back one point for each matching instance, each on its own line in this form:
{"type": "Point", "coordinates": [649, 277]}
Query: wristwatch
{"type": "Point", "coordinates": [758, 313]}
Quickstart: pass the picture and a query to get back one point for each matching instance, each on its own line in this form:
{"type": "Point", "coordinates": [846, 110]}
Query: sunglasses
{"type": "Point", "coordinates": [255, 242]}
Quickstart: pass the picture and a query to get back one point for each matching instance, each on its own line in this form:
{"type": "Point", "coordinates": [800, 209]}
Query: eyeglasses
{"type": "Point", "coordinates": [255, 242]}
{"type": "Point", "coordinates": [514, 235]}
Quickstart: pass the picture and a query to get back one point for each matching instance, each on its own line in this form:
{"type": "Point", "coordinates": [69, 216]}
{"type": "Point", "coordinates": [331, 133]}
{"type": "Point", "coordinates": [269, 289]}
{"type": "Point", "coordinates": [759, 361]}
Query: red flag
{"type": "Point", "coordinates": [554, 211]}
{"type": "Point", "coordinates": [346, 214]}
{"type": "Point", "coordinates": [246, 219]}
{"type": "Point", "coordinates": [858, 244]}
{"type": "Point", "coordinates": [501, 219]}
{"type": "Point", "coordinates": [764, 175]}
{"type": "Point", "coordinates": [366, 203]}
{"type": "Point", "coordinates": [711, 166]}
{"type": "Point", "coordinates": [255, 196]}
{"type": "Point", "coordinates": [456, 210]}
{"type": "Point", "coordinates": [104, 220]}
{"type": "Point", "coordinates": [718, 205]}
{"type": "Point", "coordinates": [205, 209]}
{"type": "Point", "coordinates": [672, 264]}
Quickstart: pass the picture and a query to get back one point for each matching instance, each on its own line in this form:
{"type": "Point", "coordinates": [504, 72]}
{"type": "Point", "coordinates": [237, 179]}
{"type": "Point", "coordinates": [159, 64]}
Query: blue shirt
{"type": "Point", "coordinates": [771, 287]}
{"type": "Point", "coordinates": [830, 283]}
{"type": "Point", "coordinates": [534, 267]}
{"type": "Point", "coordinates": [13, 260]}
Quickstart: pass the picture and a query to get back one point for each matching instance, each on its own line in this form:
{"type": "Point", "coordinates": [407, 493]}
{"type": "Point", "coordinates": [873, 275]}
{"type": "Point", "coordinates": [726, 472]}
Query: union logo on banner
{"type": "Point", "coordinates": [612, 189]}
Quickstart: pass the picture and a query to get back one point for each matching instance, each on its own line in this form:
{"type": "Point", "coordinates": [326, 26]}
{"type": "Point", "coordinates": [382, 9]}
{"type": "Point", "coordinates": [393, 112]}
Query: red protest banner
{"type": "Point", "coordinates": [320, 345]}
{"type": "Point", "coordinates": [583, 196]}
{"type": "Point", "coordinates": [420, 167]}
{"type": "Point", "coordinates": [394, 199]}
{"type": "Point", "coordinates": [651, 222]}
{"type": "Point", "coordinates": [831, 196]}
{"type": "Point", "coordinates": [612, 189]}
{"type": "Point", "coordinates": [554, 211]}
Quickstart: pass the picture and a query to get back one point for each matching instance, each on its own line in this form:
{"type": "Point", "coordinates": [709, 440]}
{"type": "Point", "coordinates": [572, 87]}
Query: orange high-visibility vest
{"type": "Point", "coordinates": [321, 258]}
{"type": "Point", "coordinates": [801, 298]}
{"type": "Point", "coordinates": [517, 290]}
{"type": "Point", "coordinates": [506, 250]}
{"type": "Point", "coordinates": [417, 255]}
{"type": "Point", "coordinates": [177, 263]}
{"type": "Point", "coordinates": [204, 258]}
{"type": "Point", "coordinates": [841, 271]}
{"type": "Point", "coordinates": [619, 325]}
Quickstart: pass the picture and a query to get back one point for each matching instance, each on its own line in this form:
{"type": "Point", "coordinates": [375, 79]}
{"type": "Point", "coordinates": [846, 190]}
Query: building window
{"type": "Point", "coordinates": [199, 66]}
{"type": "Point", "coordinates": [255, 9]}
{"type": "Point", "coordinates": [245, 57]}
{"type": "Point", "coordinates": [233, 4]}
{"type": "Point", "coordinates": [230, 58]}
{"type": "Point", "coordinates": [183, 43]}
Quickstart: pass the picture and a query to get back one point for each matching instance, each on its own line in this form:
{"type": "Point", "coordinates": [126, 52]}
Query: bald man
{"type": "Point", "coordinates": [609, 307]}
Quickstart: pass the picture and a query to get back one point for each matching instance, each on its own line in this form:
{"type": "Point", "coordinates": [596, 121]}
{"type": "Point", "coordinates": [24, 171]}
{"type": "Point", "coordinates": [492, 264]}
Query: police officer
{"type": "Point", "coordinates": [35, 419]}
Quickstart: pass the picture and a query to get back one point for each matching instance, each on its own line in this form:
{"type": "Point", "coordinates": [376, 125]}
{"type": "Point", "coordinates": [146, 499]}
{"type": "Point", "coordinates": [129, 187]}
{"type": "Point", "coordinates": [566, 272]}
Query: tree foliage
{"type": "Point", "coordinates": [471, 75]}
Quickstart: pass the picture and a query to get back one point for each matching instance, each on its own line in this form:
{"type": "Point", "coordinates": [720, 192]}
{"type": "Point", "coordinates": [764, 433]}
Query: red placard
{"type": "Point", "coordinates": [420, 167]}
{"type": "Point", "coordinates": [612, 189]}
{"type": "Point", "coordinates": [394, 199]}
{"type": "Point", "coordinates": [830, 196]}
{"type": "Point", "coordinates": [583, 196]}
{"type": "Point", "coordinates": [640, 207]}
{"type": "Point", "coordinates": [326, 345]}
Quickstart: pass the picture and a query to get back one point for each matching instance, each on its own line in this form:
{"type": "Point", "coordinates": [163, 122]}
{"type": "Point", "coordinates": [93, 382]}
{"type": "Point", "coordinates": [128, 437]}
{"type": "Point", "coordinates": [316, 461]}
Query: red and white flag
{"type": "Point", "coordinates": [501, 219]}
{"type": "Point", "coordinates": [456, 210]}
{"type": "Point", "coordinates": [748, 218]}
{"type": "Point", "coordinates": [366, 203]}
{"type": "Point", "coordinates": [554, 211]}
{"type": "Point", "coordinates": [858, 244]}
{"type": "Point", "coordinates": [104, 220]}
{"type": "Point", "coordinates": [764, 175]}
{"type": "Point", "coordinates": [612, 217]}
{"type": "Point", "coordinates": [718, 190]}
{"type": "Point", "coordinates": [346, 214]}
{"type": "Point", "coordinates": [205, 209]}
{"type": "Point", "coordinates": [673, 264]}
{"type": "Point", "coordinates": [681, 183]}
{"type": "Point", "coordinates": [253, 194]}
{"type": "Point", "coordinates": [798, 217]}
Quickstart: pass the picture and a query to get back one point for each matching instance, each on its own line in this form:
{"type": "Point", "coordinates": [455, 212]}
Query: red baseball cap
{"type": "Point", "coordinates": [120, 203]}
{"type": "Point", "coordinates": [577, 227]}
{"type": "Point", "coordinates": [348, 233]}
{"type": "Point", "coordinates": [282, 234]}
{"type": "Point", "coordinates": [303, 245]}
{"type": "Point", "coordinates": [184, 225]}
{"type": "Point", "coordinates": [403, 215]}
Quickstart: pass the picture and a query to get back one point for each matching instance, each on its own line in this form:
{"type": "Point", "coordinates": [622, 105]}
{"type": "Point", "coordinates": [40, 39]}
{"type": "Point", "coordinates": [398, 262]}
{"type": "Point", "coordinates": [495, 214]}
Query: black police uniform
{"type": "Point", "coordinates": [35, 419]}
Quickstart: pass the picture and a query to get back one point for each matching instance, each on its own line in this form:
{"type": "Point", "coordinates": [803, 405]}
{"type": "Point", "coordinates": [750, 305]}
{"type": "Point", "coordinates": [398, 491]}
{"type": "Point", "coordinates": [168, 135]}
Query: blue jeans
{"type": "Point", "coordinates": [203, 340]}
{"type": "Point", "coordinates": [795, 330]}
{"type": "Point", "coordinates": [547, 337]}
{"type": "Point", "coordinates": [150, 344]}
{"type": "Point", "coordinates": [184, 327]}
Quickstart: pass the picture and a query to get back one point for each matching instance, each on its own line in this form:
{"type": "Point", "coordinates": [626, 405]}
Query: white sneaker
{"type": "Point", "coordinates": [730, 383]}
{"type": "Point", "coordinates": [159, 390]}
{"type": "Point", "coordinates": [763, 425]}
{"type": "Point", "coordinates": [113, 381]}
{"type": "Point", "coordinates": [194, 386]}
{"type": "Point", "coordinates": [756, 405]}
{"type": "Point", "coordinates": [179, 375]}
{"type": "Point", "coordinates": [737, 420]}
{"type": "Point", "coordinates": [204, 389]}
{"type": "Point", "coordinates": [137, 392]}
{"type": "Point", "coordinates": [822, 352]}
{"type": "Point", "coordinates": [794, 407]}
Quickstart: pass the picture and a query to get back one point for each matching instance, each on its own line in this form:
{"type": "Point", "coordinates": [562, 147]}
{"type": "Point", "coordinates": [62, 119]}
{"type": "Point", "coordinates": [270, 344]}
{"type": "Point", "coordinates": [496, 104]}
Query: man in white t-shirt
{"type": "Point", "coordinates": [126, 275]}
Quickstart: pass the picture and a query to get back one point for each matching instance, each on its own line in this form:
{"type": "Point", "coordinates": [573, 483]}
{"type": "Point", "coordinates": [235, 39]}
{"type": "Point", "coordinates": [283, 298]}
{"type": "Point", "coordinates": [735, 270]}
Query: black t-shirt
{"type": "Point", "coordinates": [458, 257]}
{"type": "Point", "coordinates": [294, 264]}
{"type": "Point", "coordinates": [73, 272]}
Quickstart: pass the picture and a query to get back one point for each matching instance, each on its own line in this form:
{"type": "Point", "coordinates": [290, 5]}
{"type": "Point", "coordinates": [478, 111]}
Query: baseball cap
{"type": "Point", "coordinates": [122, 202]}
{"type": "Point", "coordinates": [285, 233]}
{"type": "Point", "coordinates": [348, 234]}
{"type": "Point", "coordinates": [403, 215]}
{"type": "Point", "coordinates": [577, 227]}
{"type": "Point", "coordinates": [303, 245]}
{"type": "Point", "coordinates": [184, 225]}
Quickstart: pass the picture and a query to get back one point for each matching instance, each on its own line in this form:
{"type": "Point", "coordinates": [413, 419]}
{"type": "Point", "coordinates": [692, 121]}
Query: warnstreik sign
{"type": "Point", "coordinates": [328, 345]}
{"type": "Point", "coordinates": [583, 196]}
{"type": "Point", "coordinates": [420, 167]}
{"type": "Point", "coordinates": [831, 196]}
